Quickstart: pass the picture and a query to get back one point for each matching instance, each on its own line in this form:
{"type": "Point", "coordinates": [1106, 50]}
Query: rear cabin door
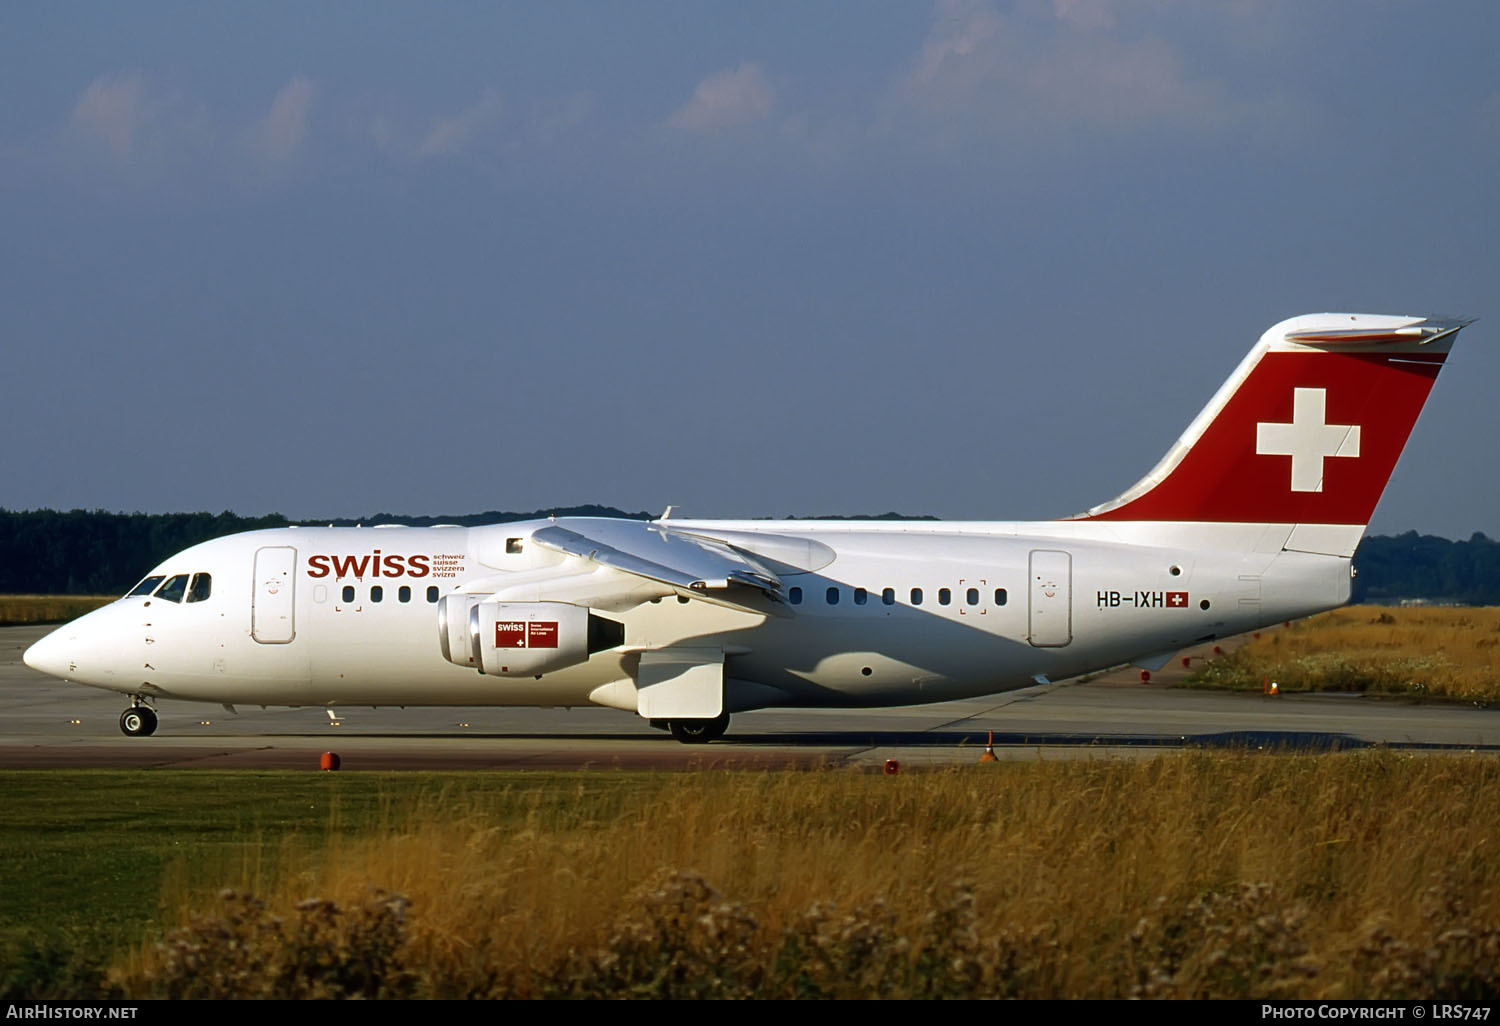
{"type": "Point", "coordinates": [1051, 598]}
{"type": "Point", "coordinates": [271, 604]}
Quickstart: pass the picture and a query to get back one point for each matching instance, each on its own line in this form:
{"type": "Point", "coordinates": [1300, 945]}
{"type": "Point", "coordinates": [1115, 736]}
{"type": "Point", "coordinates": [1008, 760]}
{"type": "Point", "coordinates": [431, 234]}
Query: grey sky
{"type": "Point", "coordinates": [975, 260]}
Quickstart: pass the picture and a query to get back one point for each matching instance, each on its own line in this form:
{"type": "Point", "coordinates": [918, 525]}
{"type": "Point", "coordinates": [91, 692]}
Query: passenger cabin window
{"type": "Point", "coordinates": [888, 596]}
{"type": "Point", "coordinates": [202, 587]}
{"type": "Point", "coordinates": [348, 593]}
{"type": "Point", "coordinates": [794, 596]}
{"type": "Point", "coordinates": [944, 596]}
{"type": "Point", "coordinates": [833, 596]}
{"type": "Point", "coordinates": [147, 586]}
{"type": "Point", "coordinates": [404, 594]}
{"type": "Point", "coordinates": [916, 596]}
{"type": "Point", "coordinates": [377, 593]}
{"type": "Point", "coordinates": [432, 593]}
{"type": "Point", "coordinates": [861, 596]}
{"type": "Point", "coordinates": [1000, 596]}
{"type": "Point", "coordinates": [972, 596]}
{"type": "Point", "coordinates": [174, 589]}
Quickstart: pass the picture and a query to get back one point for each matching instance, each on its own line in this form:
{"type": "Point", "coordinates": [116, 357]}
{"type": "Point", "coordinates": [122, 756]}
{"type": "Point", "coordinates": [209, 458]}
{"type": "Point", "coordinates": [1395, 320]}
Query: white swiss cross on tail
{"type": "Point", "coordinates": [1308, 439]}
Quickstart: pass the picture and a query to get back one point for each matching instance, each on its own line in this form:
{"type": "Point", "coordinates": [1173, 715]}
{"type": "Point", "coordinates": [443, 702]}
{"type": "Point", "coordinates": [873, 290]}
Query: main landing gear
{"type": "Point", "coordinates": [138, 721]}
{"type": "Point", "coordinates": [699, 732]}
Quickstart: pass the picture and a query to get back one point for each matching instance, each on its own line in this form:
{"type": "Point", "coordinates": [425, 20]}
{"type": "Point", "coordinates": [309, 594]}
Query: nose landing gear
{"type": "Point", "coordinates": [138, 721]}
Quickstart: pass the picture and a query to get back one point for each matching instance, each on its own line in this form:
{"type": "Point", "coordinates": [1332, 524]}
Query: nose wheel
{"type": "Point", "coordinates": [138, 721]}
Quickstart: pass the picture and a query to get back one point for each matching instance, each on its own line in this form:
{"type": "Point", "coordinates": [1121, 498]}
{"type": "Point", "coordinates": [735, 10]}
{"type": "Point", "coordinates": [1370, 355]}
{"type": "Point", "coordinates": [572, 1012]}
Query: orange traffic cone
{"type": "Point", "coordinates": [989, 750]}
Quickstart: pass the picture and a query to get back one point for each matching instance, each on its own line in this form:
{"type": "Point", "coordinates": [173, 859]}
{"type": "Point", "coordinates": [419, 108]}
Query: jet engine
{"type": "Point", "coordinates": [521, 639]}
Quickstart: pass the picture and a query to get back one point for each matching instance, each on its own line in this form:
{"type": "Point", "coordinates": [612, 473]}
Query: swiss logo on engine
{"type": "Point", "coordinates": [525, 633]}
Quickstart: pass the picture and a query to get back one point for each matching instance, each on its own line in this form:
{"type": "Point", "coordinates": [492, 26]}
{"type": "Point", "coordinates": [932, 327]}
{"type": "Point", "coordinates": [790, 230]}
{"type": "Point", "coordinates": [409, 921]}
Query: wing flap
{"type": "Point", "coordinates": [695, 566]}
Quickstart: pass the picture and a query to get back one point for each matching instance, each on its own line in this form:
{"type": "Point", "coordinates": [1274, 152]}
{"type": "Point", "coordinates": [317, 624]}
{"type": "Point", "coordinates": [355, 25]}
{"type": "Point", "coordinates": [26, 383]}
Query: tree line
{"type": "Point", "coordinates": [90, 552]}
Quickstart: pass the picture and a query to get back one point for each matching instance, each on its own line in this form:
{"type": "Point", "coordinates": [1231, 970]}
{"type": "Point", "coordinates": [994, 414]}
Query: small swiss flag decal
{"type": "Point", "coordinates": [1176, 599]}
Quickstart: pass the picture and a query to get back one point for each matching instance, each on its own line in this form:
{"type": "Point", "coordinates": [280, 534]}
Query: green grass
{"type": "Point", "coordinates": [87, 852]}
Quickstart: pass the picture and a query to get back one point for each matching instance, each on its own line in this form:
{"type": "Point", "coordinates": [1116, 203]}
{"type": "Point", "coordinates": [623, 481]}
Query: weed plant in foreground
{"type": "Point", "coordinates": [1195, 875]}
{"type": "Point", "coordinates": [1423, 651]}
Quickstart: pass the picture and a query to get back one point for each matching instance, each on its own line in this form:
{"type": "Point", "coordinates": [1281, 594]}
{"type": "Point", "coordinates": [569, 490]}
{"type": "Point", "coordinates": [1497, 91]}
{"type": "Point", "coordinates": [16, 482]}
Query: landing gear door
{"type": "Point", "coordinates": [271, 602]}
{"type": "Point", "coordinates": [681, 684]}
{"type": "Point", "coordinates": [1051, 623]}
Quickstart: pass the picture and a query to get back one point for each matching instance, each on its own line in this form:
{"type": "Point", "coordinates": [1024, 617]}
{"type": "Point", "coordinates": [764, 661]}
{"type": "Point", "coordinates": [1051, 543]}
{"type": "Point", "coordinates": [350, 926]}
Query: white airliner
{"type": "Point", "coordinates": [1249, 520]}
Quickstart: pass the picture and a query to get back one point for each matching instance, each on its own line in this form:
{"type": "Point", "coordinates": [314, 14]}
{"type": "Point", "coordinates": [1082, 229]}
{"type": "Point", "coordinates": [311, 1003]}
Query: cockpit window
{"type": "Point", "coordinates": [173, 590]}
{"type": "Point", "coordinates": [203, 585]}
{"type": "Point", "coordinates": [147, 586]}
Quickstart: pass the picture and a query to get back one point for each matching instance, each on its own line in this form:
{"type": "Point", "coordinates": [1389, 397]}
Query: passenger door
{"type": "Point", "coordinates": [272, 602]}
{"type": "Point", "coordinates": [1051, 622]}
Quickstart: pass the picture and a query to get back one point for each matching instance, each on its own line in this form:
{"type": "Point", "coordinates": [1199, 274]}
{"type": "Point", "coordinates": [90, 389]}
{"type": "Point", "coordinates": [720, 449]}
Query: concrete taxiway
{"type": "Point", "coordinates": [50, 723]}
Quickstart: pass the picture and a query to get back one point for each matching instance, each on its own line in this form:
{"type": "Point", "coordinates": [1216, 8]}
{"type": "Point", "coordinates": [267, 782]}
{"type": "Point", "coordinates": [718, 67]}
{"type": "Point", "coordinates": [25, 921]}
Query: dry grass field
{"type": "Point", "coordinates": [18, 610]}
{"type": "Point", "coordinates": [1194, 875]}
{"type": "Point", "coordinates": [1425, 651]}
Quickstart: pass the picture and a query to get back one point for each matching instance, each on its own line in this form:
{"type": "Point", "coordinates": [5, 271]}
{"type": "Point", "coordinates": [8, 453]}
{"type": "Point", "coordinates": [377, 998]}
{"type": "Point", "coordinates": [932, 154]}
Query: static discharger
{"type": "Point", "coordinates": [989, 750]}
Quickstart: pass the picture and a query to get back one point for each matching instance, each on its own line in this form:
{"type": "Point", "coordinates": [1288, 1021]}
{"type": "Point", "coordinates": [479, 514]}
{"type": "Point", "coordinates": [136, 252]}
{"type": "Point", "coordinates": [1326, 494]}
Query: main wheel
{"type": "Point", "coordinates": [138, 721]}
{"type": "Point", "coordinates": [700, 732]}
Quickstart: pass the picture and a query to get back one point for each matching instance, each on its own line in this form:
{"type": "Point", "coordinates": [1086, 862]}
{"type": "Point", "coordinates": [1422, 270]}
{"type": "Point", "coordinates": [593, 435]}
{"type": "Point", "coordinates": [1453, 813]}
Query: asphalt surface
{"type": "Point", "coordinates": [55, 724]}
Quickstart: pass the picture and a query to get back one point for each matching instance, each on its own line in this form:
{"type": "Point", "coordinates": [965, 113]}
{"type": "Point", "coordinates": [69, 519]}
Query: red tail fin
{"type": "Point", "coordinates": [1306, 431]}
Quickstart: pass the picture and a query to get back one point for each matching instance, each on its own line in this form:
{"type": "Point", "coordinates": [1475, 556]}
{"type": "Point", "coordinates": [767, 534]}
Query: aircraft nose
{"type": "Point", "coordinates": [50, 654]}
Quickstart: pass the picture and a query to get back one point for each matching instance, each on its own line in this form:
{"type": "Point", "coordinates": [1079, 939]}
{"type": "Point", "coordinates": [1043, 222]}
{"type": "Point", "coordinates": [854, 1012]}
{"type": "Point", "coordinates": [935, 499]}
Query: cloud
{"type": "Point", "coordinates": [135, 125]}
{"type": "Point", "coordinates": [1089, 14]}
{"type": "Point", "coordinates": [456, 133]}
{"type": "Point", "coordinates": [962, 50]}
{"type": "Point", "coordinates": [110, 112]}
{"type": "Point", "coordinates": [555, 117]}
{"type": "Point", "coordinates": [278, 137]}
{"type": "Point", "coordinates": [1041, 69]}
{"type": "Point", "coordinates": [726, 99]}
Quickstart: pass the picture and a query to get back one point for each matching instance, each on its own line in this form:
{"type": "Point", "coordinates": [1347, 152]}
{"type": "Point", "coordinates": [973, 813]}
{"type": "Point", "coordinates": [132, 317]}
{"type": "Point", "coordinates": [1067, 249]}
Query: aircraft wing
{"type": "Point", "coordinates": [696, 566]}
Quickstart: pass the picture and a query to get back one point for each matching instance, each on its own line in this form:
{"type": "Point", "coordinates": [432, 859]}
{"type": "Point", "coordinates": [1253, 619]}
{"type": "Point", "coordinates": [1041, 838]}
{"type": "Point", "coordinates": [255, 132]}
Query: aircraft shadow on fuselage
{"type": "Point", "coordinates": [945, 628]}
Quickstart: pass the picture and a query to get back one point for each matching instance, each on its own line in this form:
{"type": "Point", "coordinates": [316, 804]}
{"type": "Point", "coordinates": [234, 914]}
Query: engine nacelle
{"type": "Point", "coordinates": [521, 639]}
